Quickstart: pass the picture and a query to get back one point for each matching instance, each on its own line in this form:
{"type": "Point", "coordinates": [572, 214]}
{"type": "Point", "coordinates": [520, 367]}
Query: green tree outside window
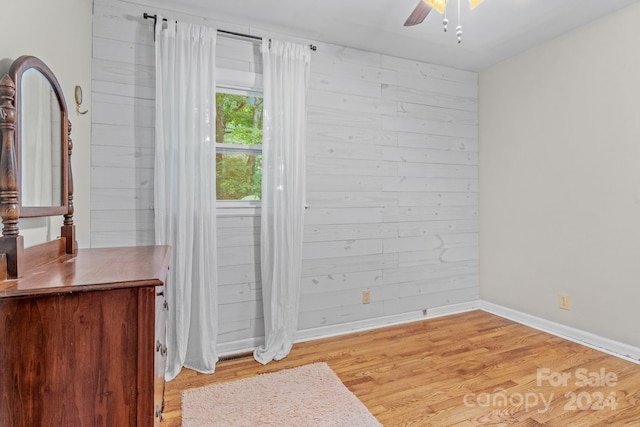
{"type": "Point", "coordinates": [238, 166]}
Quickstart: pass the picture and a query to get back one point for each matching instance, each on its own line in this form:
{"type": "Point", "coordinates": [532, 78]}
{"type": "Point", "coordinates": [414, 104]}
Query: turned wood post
{"type": "Point", "coordinates": [11, 242]}
{"type": "Point", "coordinates": [68, 228]}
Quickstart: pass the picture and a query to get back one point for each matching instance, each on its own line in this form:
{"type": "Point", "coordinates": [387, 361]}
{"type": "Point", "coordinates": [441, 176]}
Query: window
{"type": "Point", "coordinates": [238, 148]}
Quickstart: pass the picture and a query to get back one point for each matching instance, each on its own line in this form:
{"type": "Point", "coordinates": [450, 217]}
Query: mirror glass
{"type": "Point", "coordinates": [41, 145]}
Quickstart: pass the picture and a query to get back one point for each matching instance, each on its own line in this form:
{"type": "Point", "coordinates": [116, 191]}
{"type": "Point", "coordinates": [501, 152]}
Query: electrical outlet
{"type": "Point", "coordinates": [366, 296]}
{"type": "Point", "coordinates": [564, 301]}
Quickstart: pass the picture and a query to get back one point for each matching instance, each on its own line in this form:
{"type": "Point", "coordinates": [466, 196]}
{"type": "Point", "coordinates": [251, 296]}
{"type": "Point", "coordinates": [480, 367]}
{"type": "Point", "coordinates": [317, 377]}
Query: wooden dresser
{"type": "Point", "coordinates": [82, 340]}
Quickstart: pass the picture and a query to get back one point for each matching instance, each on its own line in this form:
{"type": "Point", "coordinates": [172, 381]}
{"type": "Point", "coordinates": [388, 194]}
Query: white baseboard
{"type": "Point", "coordinates": [242, 346]}
{"type": "Point", "coordinates": [238, 347]}
{"type": "Point", "coordinates": [606, 345]}
{"type": "Point", "coordinates": [380, 322]}
{"type": "Point", "coordinates": [614, 348]}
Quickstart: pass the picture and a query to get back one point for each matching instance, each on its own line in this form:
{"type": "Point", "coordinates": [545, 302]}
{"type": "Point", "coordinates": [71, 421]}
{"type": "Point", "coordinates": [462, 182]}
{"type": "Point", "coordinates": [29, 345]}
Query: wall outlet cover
{"type": "Point", "coordinates": [366, 297]}
{"type": "Point", "coordinates": [564, 301]}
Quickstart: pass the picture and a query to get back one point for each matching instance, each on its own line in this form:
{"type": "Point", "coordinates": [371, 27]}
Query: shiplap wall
{"type": "Point", "coordinates": [392, 178]}
{"type": "Point", "coordinates": [122, 155]}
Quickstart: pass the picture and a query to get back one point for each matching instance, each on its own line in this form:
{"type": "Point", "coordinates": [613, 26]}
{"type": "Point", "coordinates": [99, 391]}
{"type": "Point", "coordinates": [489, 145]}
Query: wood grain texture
{"type": "Point", "coordinates": [123, 73]}
{"type": "Point", "coordinates": [68, 345]}
{"type": "Point", "coordinates": [148, 356]}
{"type": "Point", "coordinates": [93, 269]}
{"type": "Point", "coordinates": [43, 253]}
{"type": "Point", "coordinates": [419, 374]}
{"type": "Point", "coordinates": [79, 340]}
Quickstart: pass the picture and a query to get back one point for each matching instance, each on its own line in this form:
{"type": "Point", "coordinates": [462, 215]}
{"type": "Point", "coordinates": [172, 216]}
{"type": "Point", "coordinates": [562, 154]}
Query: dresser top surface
{"type": "Point", "coordinates": [93, 269]}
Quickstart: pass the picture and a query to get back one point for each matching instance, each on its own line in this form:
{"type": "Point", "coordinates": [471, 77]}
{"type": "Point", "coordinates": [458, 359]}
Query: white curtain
{"type": "Point", "coordinates": [185, 190]}
{"type": "Point", "coordinates": [286, 75]}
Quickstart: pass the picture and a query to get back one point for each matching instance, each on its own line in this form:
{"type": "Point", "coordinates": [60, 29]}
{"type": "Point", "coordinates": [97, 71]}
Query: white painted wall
{"type": "Point", "coordinates": [560, 179]}
{"type": "Point", "coordinates": [392, 168]}
{"type": "Point", "coordinates": [59, 33]}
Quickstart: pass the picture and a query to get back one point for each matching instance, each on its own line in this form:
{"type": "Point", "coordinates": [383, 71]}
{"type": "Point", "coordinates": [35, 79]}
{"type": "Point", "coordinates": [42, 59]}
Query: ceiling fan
{"type": "Point", "coordinates": [425, 6]}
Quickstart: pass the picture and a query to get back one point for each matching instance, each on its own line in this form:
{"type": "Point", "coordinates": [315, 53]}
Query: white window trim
{"type": "Point", "coordinates": [233, 90]}
{"type": "Point", "coordinates": [238, 207]}
{"type": "Point", "coordinates": [238, 148]}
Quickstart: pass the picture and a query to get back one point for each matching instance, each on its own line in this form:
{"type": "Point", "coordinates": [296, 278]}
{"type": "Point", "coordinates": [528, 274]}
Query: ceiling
{"type": "Point", "coordinates": [492, 32]}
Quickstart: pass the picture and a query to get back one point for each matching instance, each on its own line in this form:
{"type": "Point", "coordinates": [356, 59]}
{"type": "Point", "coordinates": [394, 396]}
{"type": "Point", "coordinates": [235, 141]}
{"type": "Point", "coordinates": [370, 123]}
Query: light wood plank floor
{"type": "Point", "coordinates": [458, 371]}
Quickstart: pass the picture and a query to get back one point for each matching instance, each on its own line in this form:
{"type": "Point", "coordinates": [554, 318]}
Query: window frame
{"type": "Point", "coordinates": [238, 207]}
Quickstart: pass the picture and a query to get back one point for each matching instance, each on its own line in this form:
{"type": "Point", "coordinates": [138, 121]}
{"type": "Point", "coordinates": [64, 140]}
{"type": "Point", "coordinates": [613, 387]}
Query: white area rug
{"type": "Point", "coordinates": [310, 395]}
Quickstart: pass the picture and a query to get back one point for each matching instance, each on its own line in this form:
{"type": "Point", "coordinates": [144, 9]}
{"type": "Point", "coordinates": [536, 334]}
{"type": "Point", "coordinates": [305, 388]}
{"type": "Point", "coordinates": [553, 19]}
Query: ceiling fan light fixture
{"type": "Point", "coordinates": [425, 6]}
{"type": "Point", "coordinates": [436, 4]}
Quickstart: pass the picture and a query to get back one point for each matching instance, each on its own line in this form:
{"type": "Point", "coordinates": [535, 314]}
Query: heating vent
{"type": "Point", "coordinates": [238, 356]}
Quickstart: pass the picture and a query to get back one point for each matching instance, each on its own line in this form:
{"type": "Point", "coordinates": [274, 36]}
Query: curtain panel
{"type": "Point", "coordinates": [185, 190]}
{"type": "Point", "coordinates": [286, 76]}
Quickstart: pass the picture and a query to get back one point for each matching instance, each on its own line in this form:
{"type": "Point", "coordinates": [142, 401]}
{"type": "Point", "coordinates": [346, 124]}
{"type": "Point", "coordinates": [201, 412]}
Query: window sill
{"type": "Point", "coordinates": [244, 208]}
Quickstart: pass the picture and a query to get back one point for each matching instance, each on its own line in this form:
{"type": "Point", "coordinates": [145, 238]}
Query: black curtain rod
{"type": "Point", "coordinates": [232, 33]}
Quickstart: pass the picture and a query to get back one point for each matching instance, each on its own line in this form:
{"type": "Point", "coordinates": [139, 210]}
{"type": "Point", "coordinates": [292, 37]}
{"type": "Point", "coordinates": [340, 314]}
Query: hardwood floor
{"type": "Point", "coordinates": [463, 370]}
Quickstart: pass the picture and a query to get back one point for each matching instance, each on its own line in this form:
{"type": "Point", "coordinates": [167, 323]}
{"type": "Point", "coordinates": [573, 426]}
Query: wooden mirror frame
{"type": "Point", "coordinates": [13, 257]}
{"type": "Point", "coordinates": [16, 72]}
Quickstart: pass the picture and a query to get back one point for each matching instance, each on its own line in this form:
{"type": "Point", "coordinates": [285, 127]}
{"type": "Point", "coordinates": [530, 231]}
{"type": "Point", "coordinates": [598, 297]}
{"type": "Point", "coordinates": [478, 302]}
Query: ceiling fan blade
{"type": "Point", "coordinates": [474, 3]}
{"type": "Point", "coordinates": [419, 13]}
{"type": "Point", "coordinates": [438, 5]}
